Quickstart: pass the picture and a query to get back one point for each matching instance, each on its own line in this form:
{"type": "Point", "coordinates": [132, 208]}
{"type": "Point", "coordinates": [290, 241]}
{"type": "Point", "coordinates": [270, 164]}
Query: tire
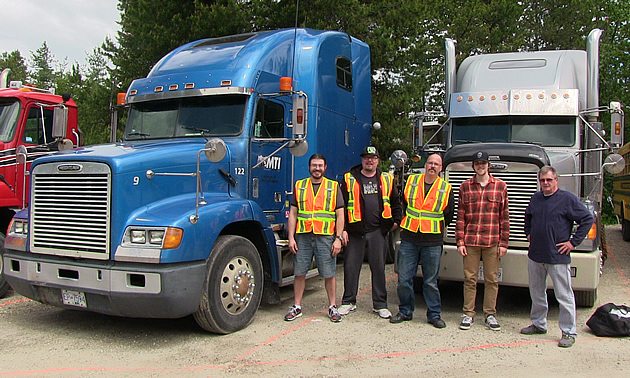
{"type": "Point", "coordinates": [4, 285]}
{"type": "Point", "coordinates": [393, 240]}
{"type": "Point", "coordinates": [233, 286]}
{"type": "Point", "coordinates": [586, 298]}
{"type": "Point", "coordinates": [625, 230]}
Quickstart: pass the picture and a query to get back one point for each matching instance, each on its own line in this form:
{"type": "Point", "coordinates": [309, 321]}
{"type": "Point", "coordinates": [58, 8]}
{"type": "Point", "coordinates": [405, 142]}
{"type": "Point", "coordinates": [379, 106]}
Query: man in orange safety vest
{"type": "Point", "coordinates": [429, 210]}
{"type": "Point", "coordinates": [315, 229]}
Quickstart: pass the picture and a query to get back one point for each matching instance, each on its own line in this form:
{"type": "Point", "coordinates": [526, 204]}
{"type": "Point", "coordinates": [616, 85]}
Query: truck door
{"type": "Point", "coordinates": [272, 180]}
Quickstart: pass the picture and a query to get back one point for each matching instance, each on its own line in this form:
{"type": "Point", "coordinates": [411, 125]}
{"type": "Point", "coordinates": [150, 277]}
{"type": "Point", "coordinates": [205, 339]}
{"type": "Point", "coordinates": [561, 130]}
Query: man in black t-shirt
{"type": "Point", "coordinates": [372, 210]}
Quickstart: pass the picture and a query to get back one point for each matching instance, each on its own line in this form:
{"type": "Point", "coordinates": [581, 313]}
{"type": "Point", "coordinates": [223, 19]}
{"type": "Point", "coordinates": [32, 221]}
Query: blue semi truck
{"type": "Point", "coordinates": [188, 213]}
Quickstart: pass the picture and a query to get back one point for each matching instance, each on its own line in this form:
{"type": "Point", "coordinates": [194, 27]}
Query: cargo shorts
{"type": "Point", "coordinates": [320, 246]}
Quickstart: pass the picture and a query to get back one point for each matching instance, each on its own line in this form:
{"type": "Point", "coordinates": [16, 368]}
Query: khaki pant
{"type": "Point", "coordinates": [490, 273]}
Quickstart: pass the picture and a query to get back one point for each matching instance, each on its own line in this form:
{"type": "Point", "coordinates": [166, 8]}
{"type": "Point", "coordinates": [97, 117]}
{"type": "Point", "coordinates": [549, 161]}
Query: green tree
{"type": "Point", "coordinates": [42, 73]}
{"type": "Point", "coordinates": [15, 62]}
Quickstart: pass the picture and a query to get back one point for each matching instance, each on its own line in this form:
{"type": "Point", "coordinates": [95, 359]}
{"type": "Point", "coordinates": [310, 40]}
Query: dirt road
{"type": "Point", "coordinates": [38, 340]}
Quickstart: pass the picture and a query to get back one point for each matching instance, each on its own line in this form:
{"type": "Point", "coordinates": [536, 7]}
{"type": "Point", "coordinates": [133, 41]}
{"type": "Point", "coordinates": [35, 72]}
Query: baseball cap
{"type": "Point", "coordinates": [480, 156]}
{"type": "Point", "coordinates": [370, 150]}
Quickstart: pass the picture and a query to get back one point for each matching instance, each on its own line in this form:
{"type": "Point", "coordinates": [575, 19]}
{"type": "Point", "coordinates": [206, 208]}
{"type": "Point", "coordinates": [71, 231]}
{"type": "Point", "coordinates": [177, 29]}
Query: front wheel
{"type": "Point", "coordinates": [4, 285]}
{"type": "Point", "coordinates": [233, 286]}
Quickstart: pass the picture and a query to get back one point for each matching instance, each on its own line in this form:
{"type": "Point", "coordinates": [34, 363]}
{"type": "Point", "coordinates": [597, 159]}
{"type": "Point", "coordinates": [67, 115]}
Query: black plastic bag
{"type": "Point", "coordinates": [610, 320]}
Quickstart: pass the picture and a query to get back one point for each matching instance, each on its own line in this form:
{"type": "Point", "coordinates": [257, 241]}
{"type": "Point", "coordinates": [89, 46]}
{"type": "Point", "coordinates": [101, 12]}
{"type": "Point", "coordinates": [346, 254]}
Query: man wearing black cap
{"type": "Point", "coordinates": [482, 232]}
{"type": "Point", "coordinates": [372, 210]}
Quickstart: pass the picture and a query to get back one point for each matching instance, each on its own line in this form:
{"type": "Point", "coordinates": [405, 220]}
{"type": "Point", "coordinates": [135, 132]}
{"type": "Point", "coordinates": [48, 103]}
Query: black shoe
{"type": "Point", "coordinates": [399, 318]}
{"type": "Point", "coordinates": [437, 322]}
{"type": "Point", "coordinates": [533, 330]}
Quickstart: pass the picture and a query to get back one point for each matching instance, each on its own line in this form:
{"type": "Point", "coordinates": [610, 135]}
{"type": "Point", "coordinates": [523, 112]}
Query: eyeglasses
{"type": "Point", "coordinates": [370, 157]}
{"type": "Point", "coordinates": [546, 180]}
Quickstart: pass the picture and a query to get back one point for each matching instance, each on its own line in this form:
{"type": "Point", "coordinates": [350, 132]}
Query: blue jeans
{"type": "Point", "coordinates": [409, 255]}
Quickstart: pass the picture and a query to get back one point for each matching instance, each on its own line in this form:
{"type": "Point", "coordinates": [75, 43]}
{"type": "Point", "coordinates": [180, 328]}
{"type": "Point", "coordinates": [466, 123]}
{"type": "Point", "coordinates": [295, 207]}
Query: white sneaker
{"type": "Point", "coordinates": [383, 313]}
{"type": "Point", "coordinates": [345, 309]}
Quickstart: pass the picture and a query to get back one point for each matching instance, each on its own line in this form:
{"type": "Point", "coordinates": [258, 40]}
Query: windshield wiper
{"type": "Point", "coordinates": [139, 134]}
{"type": "Point", "coordinates": [202, 131]}
{"type": "Point", "coordinates": [527, 142]}
{"type": "Point", "coordinates": [467, 141]}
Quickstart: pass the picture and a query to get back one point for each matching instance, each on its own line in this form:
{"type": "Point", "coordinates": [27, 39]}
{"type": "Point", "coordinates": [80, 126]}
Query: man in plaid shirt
{"type": "Point", "coordinates": [482, 232]}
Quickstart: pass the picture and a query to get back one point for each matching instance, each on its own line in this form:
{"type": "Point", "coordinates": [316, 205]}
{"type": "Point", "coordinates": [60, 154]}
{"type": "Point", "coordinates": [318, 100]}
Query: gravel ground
{"type": "Point", "coordinates": [40, 340]}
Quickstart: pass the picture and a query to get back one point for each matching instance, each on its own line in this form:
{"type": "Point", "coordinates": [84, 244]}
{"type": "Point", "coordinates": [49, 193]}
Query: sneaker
{"type": "Point", "coordinates": [294, 313]}
{"type": "Point", "coordinates": [566, 341]}
{"type": "Point", "coordinates": [383, 313]}
{"type": "Point", "coordinates": [437, 322]}
{"type": "Point", "coordinates": [333, 314]}
{"type": "Point", "coordinates": [533, 330]}
{"type": "Point", "coordinates": [345, 309]}
{"type": "Point", "coordinates": [467, 322]}
{"type": "Point", "coordinates": [492, 323]}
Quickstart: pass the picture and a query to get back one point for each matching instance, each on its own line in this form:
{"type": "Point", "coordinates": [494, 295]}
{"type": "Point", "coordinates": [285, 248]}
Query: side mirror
{"type": "Point", "coordinates": [616, 124]}
{"type": "Point", "coordinates": [60, 123]}
{"type": "Point", "coordinates": [21, 155]}
{"type": "Point", "coordinates": [215, 150]}
{"type": "Point", "coordinates": [299, 119]}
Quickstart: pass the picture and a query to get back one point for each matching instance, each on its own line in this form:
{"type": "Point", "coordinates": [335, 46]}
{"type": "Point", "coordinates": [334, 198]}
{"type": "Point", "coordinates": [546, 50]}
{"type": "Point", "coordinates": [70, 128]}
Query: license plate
{"type": "Point", "coordinates": [480, 276]}
{"type": "Point", "coordinates": [73, 298]}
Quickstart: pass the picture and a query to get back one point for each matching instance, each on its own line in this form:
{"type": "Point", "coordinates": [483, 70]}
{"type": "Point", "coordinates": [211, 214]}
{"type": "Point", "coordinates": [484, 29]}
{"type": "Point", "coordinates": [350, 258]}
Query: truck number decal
{"type": "Point", "coordinates": [239, 171]}
{"type": "Point", "coordinates": [136, 180]}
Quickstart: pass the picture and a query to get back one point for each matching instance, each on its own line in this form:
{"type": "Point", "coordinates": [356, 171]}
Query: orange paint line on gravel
{"type": "Point", "coordinates": [297, 361]}
{"type": "Point", "coordinates": [16, 301]}
{"type": "Point", "coordinates": [274, 338]}
{"type": "Point", "coordinates": [619, 271]}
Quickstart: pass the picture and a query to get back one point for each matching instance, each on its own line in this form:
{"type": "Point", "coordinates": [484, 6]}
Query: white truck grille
{"type": "Point", "coordinates": [70, 209]}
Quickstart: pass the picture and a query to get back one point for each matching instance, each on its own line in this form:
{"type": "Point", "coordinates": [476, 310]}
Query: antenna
{"type": "Point", "coordinates": [297, 8]}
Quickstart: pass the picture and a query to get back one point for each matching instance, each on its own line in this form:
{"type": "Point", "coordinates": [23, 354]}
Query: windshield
{"type": "Point", "coordinates": [185, 117]}
{"type": "Point", "coordinates": [9, 112]}
{"type": "Point", "coordinates": [543, 131]}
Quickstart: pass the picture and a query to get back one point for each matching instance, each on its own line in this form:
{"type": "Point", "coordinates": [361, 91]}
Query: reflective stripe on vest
{"type": "Point", "coordinates": [316, 212]}
{"type": "Point", "coordinates": [354, 204]}
{"type": "Point", "coordinates": [425, 214]}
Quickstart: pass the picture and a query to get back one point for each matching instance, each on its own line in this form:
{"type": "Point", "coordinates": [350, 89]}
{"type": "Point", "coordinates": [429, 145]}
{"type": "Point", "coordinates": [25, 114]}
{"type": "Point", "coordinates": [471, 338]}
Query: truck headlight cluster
{"type": "Point", "coordinates": [153, 237]}
{"type": "Point", "coordinates": [18, 228]}
{"type": "Point", "coordinates": [17, 235]}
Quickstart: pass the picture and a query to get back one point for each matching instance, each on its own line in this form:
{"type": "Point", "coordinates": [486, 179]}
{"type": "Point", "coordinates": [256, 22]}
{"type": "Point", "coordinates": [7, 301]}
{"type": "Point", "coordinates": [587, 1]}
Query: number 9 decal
{"type": "Point", "coordinates": [136, 180]}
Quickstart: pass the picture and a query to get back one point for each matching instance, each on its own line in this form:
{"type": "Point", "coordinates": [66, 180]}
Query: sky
{"type": "Point", "coordinates": [70, 28]}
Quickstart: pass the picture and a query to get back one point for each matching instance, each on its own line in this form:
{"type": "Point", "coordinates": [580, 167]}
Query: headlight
{"type": "Point", "coordinates": [153, 237]}
{"type": "Point", "coordinates": [18, 227]}
{"type": "Point", "coordinates": [138, 236]}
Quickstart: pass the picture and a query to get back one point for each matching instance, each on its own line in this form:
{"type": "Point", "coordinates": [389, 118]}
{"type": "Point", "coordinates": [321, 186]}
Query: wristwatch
{"type": "Point", "coordinates": [340, 238]}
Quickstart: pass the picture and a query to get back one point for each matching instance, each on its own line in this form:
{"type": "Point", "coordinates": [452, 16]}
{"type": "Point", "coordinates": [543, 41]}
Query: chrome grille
{"type": "Point", "coordinates": [521, 186]}
{"type": "Point", "coordinates": [70, 209]}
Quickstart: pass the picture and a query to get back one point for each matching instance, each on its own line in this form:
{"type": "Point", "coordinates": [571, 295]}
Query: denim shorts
{"type": "Point", "coordinates": [320, 246]}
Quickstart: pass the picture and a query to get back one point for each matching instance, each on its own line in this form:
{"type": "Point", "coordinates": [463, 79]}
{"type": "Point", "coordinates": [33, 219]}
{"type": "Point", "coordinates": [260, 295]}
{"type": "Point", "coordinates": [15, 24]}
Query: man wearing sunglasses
{"type": "Point", "coordinates": [549, 220]}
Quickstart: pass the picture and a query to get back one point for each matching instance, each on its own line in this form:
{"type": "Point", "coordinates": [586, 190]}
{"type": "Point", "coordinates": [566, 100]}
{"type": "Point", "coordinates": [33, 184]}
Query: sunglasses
{"type": "Point", "coordinates": [546, 180]}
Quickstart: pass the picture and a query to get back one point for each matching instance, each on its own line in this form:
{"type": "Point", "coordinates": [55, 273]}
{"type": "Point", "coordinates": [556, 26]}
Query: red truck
{"type": "Point", "coordinates": [33, 122]}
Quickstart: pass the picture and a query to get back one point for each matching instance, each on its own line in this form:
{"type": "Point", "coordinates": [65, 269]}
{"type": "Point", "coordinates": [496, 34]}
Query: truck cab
{"type": "Point", "coordinates": [187, 215]}
{"type": "Point", "coordinates": [33, 123]}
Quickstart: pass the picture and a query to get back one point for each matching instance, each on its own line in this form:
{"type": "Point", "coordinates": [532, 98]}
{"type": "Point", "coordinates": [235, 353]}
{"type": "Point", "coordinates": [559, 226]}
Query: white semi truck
{"type": "Point", "coordinates": [527, 110]}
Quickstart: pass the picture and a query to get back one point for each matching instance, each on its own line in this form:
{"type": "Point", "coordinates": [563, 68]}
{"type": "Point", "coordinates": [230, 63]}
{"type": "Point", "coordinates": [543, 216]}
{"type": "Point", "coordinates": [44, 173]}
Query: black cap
{"type": "Point", "coordinates": [370, 150]}
{"type": "Point", "coordinates": [480, 156]}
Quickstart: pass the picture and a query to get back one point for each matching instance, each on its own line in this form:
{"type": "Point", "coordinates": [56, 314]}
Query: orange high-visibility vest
{"type": "Point", "coordinates": [425, 214]}
{"type": "Point", "coordinates": [316, 211]}
{"type": "Point", "coordinates": [354, 203]}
